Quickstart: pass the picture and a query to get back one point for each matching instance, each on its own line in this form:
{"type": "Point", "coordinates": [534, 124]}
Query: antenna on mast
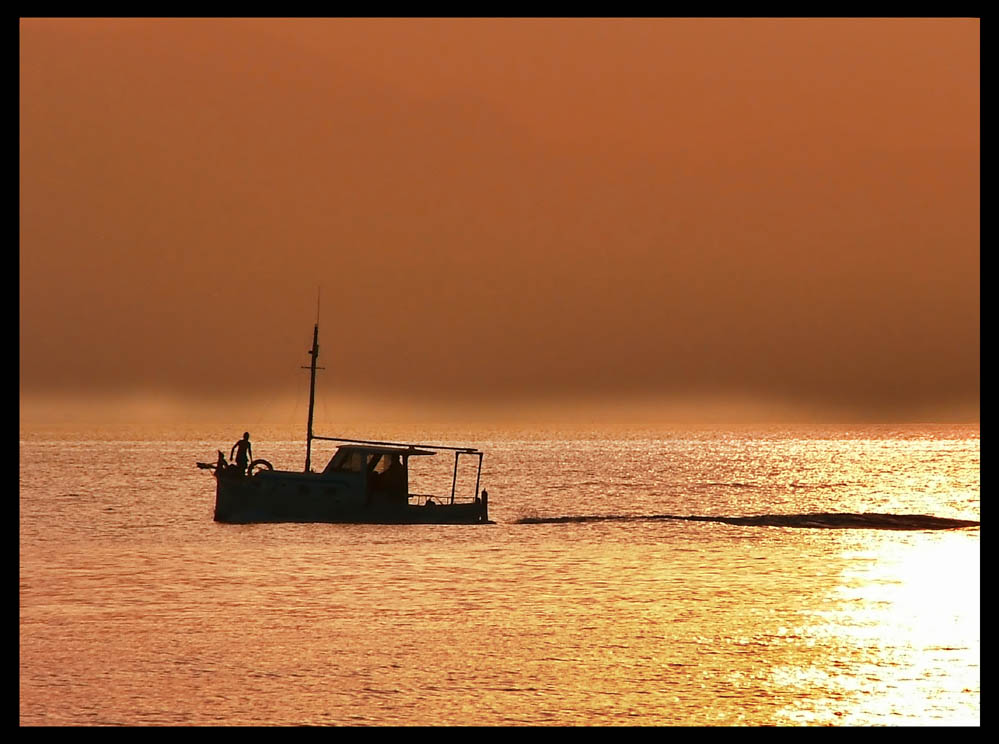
{"type": "Point", "coordinates": [314, 353]}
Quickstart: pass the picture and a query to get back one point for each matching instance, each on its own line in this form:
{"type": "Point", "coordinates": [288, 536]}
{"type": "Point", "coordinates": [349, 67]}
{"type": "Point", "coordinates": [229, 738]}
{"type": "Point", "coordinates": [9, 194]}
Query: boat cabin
{"type": "Point", "coordinates": [383, 471]}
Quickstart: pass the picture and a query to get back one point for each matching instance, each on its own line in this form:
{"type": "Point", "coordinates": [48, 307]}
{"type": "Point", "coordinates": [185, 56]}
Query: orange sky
{"type": "Point", "coordinates": [782, 209]}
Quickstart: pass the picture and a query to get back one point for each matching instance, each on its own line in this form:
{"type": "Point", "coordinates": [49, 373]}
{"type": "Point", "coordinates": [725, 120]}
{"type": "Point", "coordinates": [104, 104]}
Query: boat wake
{"type": "Point", "coordinates": [822, 520]}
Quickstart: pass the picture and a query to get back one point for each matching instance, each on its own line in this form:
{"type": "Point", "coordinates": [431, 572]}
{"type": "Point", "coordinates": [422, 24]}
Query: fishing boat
{"type": "Point", "coordinates": [365, 482]}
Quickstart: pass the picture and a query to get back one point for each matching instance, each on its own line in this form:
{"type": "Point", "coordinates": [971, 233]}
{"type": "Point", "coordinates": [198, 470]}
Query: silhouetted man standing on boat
{"type": "Point", "coordinates": [242, 451]}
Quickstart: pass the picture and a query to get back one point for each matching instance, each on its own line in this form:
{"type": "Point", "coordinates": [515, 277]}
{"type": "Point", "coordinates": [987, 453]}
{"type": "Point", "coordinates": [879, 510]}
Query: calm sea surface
{"type": "Point", "coordinates": [137, 609]}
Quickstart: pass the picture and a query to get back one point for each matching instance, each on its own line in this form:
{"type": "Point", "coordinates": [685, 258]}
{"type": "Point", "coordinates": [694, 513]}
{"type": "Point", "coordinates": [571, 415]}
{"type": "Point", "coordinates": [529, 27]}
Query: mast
{"type": "Point", "coordinates": [314, 353]}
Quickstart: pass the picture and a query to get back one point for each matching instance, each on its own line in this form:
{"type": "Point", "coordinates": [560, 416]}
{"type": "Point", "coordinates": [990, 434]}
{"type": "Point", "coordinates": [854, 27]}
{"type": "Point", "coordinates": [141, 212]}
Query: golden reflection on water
{"type": "Point", "coordinates": [137, 609]}
{"type": "Point", "coordinates": [902, 640]}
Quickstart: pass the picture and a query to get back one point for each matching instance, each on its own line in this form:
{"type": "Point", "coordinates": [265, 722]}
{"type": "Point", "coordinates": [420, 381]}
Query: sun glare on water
{"type": "Point", "coordinates": [902, 642]}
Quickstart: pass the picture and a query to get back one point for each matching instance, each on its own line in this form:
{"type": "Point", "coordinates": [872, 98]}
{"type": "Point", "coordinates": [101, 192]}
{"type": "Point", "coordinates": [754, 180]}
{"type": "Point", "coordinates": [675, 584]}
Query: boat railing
{"type": "Point", "coordinates": [421, 499]}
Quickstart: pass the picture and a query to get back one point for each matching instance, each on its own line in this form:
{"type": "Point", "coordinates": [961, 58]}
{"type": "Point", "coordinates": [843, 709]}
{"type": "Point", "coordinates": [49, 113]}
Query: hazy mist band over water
{"type": "Point", "coordinates": [136, 608]}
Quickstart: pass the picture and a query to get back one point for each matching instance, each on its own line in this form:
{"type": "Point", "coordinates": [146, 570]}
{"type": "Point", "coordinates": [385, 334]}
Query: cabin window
{"type": "Point", "coordinates": [378, 463]}
{"type": "Point", "coordinates": [352, 463]}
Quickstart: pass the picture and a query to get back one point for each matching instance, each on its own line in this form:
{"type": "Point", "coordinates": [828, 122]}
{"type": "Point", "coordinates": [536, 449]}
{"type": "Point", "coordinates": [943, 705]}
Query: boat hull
{"type": "Point", "coordinates": [276, 496]}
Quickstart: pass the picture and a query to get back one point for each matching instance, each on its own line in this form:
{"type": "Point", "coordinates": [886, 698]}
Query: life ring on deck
{"type": "Point", "coordinates": [259, 465]}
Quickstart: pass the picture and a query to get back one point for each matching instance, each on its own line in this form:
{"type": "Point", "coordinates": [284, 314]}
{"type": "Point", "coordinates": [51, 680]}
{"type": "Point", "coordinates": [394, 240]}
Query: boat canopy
{"type": "Point", "coordinates": [372, 449]}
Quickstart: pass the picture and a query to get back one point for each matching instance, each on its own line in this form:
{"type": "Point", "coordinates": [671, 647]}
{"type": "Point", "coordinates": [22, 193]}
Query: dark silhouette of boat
{"type": "Point", "coordinates": [366, 482]}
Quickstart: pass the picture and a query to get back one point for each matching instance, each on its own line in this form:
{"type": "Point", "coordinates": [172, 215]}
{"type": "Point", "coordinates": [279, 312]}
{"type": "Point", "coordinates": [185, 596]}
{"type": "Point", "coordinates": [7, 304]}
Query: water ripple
{"type": "Point", "coordinates": [822, 520]}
